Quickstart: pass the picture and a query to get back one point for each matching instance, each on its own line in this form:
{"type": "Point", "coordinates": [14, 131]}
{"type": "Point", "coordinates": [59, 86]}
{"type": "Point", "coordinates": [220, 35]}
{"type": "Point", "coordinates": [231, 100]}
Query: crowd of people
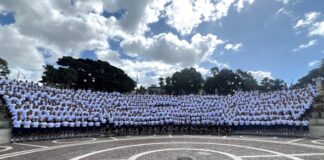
{"type": "Point", "coordinates": [43, 112]}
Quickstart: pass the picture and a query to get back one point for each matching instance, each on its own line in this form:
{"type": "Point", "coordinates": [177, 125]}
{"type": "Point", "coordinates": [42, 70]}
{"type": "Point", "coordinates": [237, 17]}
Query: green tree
{"type": "Point", "coordinates": [227, 81]}
{"type": "Point", "coordinates": [278, 84]}
{"type": "Point", "coordinates": [68, 76]}
{"type": "Point", "coordinates": [168, 85]}
{"type": "Point", "coordinates": [88, 74]}
{"type": "Point", "coordinates": [265, 84]}
{"type": "Point", "coordinates": [4, 70]}
{"type": "Point", "coordinates": [141, 90]}
{"type": "Point", "coordinates": [223, 82]}
{"type": "Point", "coordinates": [50, 75]}
{"type": "Point", "coordinates": [311, 76]}
{"type": "Point", "coordinates": [161, 82]}
{"type": "Point", "coordinates": [268, 84]}
{"type": "Point", "coordinates": [214, 71]}
{"type": "Point", "coordinates": [63, 77]}
{"type": "Point", "coordinates": [186, 81]}
{"type": "Point", "coordinates": [210, 85]}
{"type": "Point", "coordinates": [248, 82]}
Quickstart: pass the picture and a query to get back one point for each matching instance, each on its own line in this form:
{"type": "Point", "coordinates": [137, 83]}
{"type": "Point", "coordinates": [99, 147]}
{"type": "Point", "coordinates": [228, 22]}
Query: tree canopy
{"type": "Point", "coordinates": [87, 74]}
{"type": "Point", "coordinates": [227, 81]}
{"type": "Point", "coordinates": [223, 82]}
{"type": "Point", "coordinates": [268, 84]}
{"type": "Point", "coordinates": [311, 76]}
{"type": "Point", "coordinates": [186, 81]}
{"type": "Point", "coordinates": [4, 70]}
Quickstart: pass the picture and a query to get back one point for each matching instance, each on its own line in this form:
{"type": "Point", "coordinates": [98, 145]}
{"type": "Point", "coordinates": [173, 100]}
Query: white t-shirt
{"type": "Point", "coordinates": [27, 124]}
{"type": "Point", "coordinates": [17, 124]}
{"type": "Point", "coordinates": [50, 125]}
{"type": "Point", "coordinates": [43, 124]}
{"type": "Point", "coordinates": [84, 124]}
{"type": "Point", "coordinates": [57, 124]}
{"type": "Point", "coordinates": [35, 124]}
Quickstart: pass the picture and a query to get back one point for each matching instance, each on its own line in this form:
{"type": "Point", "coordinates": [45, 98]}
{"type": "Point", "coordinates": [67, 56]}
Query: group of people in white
{"type": "Point", "coordinates": [44, 110]}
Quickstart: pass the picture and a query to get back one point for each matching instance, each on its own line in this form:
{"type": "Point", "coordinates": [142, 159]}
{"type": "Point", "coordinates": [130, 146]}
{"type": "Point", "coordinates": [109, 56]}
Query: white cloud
{"type": "Point", "coordinates": [314, 63]}
{"type": "Point", "coordinates": [109, 55]}
{"type": "Point", "coordinates": [20, 52]}
{"type": "Point", "coordinates": [60, 28]}
{"type": "Point", "coordinates": [259, 75]}
{"type": "Point", "coordinates": [139, 70]}
{"type": "Point", "coordinates": [222, 8]}
{"type": "Point", "coordinates": [203, 71]}
{"type": "Point", "coordinates": [178, 17]}
{"type": "Point", "coordinates": [307, 45]}
{"type": "Point", "coordinates": [283, 11]}
{"type": "Point", "coordinates": [233, 47]}
{"type": "Point", "coordinates": [283, 1]}
{"type": "Point", "coordinates": [185, 15]}
{"type": "Point", "coordinates": [55, 26]}
{"type": "Point", "coordinates": [309, 19]}
{"type": "Point", "coordinates": [317, 29]}
{"type": "Point", "coordinates": [138, 13]}
{"type": "Point", "coordinates": [241, 4]}
{"type": "Point", "coordinates": [217, 63]}
{"type": "Point", "coordinates": [312, 23]}
{"type": "Point", "coordinates": [168, 48]}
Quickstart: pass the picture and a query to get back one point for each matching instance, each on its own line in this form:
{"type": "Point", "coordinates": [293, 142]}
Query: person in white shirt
{"type": "Point", "coordinates": [35, 128]}
{"type": "Point", "coordinates": [51, 129]}
{"type": "Point", "coordinates": [17, 129]}
{"type": "Point", "coordinates": [43, 129]}
{"type": "Point", "coordinates": [26, 129]}
{"type": "Point", "coordinates": [29, 100]}
{"type": "Point", "coordinates": [305, 124]}
{"type": "Point", "coordinates": [84, 127]}
{"type": "Point", "coordinates": [90, 124]}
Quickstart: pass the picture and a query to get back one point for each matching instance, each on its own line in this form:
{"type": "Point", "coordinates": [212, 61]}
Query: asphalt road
{"type": "Point", "coordinates": [181, 147]}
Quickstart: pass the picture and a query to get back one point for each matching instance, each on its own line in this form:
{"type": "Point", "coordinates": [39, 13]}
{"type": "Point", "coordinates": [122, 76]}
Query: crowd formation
{"type": "Point", "coordinates": [59, 113]}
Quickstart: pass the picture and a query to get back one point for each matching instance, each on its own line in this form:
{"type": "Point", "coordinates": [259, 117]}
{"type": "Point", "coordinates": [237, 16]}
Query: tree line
{"type": "Point", "coordinates": [100, 75]}
{"type": "Point", "coordinates": [223, 82]}
{"type": "Point", "coordinates": [311, 76]}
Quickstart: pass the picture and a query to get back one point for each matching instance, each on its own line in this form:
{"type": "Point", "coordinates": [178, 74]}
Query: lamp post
{"type": "Point", "coordinates": [231, 85]}
{"type": "Point", "coordinates": [239, 86]}
{"type": "Point", "coordinates": [89, 79]}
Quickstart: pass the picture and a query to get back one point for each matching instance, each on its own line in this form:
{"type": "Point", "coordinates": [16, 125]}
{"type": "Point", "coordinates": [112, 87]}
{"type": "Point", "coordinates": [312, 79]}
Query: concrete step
{"type": "Point", "coordinates": [316, 131]}
{"type": "Point", "coordinates": [5, 135]}
{"type": "Point", "coordinates": [317, 114]}
{"type": "Point", "coordinates": [316, 121]}
{"type": "Point", "coordinates": [4, 124]}
{"type": "Point", "coordinates": [312, 122]}
{"type": "Point", "coordinates": [3, 116]}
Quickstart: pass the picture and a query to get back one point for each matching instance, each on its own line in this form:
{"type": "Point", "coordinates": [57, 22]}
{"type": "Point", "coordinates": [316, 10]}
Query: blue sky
{"type": "Point", "coordinates": [268, 39]}
{"type": "Point", "coordinates": [7, 18]}
{"type": "Point", "coordinates": [148, 39]}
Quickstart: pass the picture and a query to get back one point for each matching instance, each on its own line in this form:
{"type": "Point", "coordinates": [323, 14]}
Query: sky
{"type": "Point", "coordinates": [149, 39]}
